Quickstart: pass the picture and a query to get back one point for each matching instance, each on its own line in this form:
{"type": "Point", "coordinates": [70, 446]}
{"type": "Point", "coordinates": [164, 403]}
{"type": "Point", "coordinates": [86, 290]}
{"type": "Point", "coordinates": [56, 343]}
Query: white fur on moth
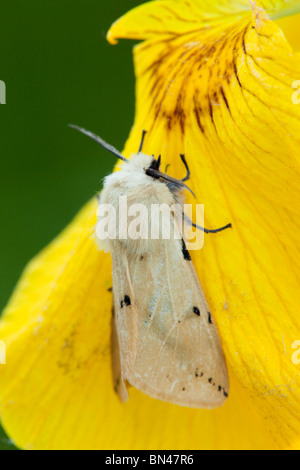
{"type": "Point", "coordinates": [164, 339]}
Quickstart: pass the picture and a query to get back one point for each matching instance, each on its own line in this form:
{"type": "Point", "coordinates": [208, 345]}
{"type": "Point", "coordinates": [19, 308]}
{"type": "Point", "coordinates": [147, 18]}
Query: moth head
{"type": "Point", "coordinates": [153, 170]}
{"type": "Point", "coordinates": [174, 184]}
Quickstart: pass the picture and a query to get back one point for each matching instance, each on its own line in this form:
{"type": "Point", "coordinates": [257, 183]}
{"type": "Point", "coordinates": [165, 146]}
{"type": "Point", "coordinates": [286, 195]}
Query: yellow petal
{"type": "Point", "coordinates": [225, 99]}
{"type": "Point", "coordinates": [56, 330]}
{"type": "Point", "coordinates": [56, 389]}
{"type": "Point", "coordinates": [290, 27]}
{"type": "Point", "coordinates": [222, 95]}
{"type": "Point", "coordinates": [173, 17]}
{"type": "Point", "coordinates": [278, 8]}
{"type": "Point", "coordinates": [287, 15]}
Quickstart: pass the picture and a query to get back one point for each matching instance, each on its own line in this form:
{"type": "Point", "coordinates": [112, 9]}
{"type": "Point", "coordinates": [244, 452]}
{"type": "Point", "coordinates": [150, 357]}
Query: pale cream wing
{"type": "Point", "coordinates": [169, 344]}
{"type": "Point", "coordinates": [119, 386]}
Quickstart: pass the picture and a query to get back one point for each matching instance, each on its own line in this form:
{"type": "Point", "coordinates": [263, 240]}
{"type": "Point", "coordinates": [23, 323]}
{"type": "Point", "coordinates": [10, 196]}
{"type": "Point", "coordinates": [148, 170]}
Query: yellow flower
{"type": "Point", "coordinates": [214, 81]}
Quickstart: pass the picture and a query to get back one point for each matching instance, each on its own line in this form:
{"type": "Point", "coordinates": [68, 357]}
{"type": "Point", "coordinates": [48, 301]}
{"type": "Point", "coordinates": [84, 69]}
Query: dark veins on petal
{"type": "Point", "coordinates": [204, 71]}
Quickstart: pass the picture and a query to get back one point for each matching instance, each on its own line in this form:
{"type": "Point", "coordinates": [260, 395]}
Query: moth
{"type": "Point", "coordinates": [164, 339]}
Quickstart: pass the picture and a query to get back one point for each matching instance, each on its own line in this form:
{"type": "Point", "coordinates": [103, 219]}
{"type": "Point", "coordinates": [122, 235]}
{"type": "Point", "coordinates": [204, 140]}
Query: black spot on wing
{"type": "Point", "coordinates": [196, 311]}
{"type": "Point", "coordinates": [185, 251]}
{"type": "Point", "coordinates": [209, 318]}
{"type": "Point", "coordinates": [198, 374]}
{"type": "Point", "coordinates": [126, 302]}
{"type": "Point", "coordinates": [211, 381]}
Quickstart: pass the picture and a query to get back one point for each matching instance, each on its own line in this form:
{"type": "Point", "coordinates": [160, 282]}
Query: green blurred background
{"type": "Point", "coordinates": [58, 69]}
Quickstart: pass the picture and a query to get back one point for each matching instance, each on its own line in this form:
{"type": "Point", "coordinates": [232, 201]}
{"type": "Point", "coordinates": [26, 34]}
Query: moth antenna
{"type": "Point", "coordinates": [179, 183]}
{"type": "Point", "coordinates": [142, 141]}
{"type": "Point", "coordinates": [205, 230]}
{"type": "Point", "coordinates": [100, 141]}
{"type": "Point", "coordinates": [182, 156]}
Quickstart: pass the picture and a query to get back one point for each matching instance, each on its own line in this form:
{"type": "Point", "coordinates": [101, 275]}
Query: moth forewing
{"type": "Point", "coordinates": [119, 385]}
{"type": "Point", "coordinates": [168, 343]}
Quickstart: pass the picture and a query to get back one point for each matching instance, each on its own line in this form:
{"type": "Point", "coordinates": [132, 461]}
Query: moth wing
{"type": "Point", "coordinates": [119, 385]}
{"type": "Point", "coordinates": [169, 344]}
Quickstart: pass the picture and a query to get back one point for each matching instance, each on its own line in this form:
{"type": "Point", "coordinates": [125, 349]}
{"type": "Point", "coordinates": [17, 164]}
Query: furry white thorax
{"type": "Point", "coordinates": [139, 188]}
{"type": "Point", "coordinates": [132, 174]}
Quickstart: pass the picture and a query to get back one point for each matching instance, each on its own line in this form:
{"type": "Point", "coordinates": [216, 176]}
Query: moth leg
{"type": "Point", "coordinates": [205, 230]}
{"type": "Point", "coordinates": [217, 230]}
{"type": "Point", "coordinates": [182, 156]}
{"type": "Point", "coordinates": [142, 141]}
{"type": "Point", "coordinates": [119, 385]}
